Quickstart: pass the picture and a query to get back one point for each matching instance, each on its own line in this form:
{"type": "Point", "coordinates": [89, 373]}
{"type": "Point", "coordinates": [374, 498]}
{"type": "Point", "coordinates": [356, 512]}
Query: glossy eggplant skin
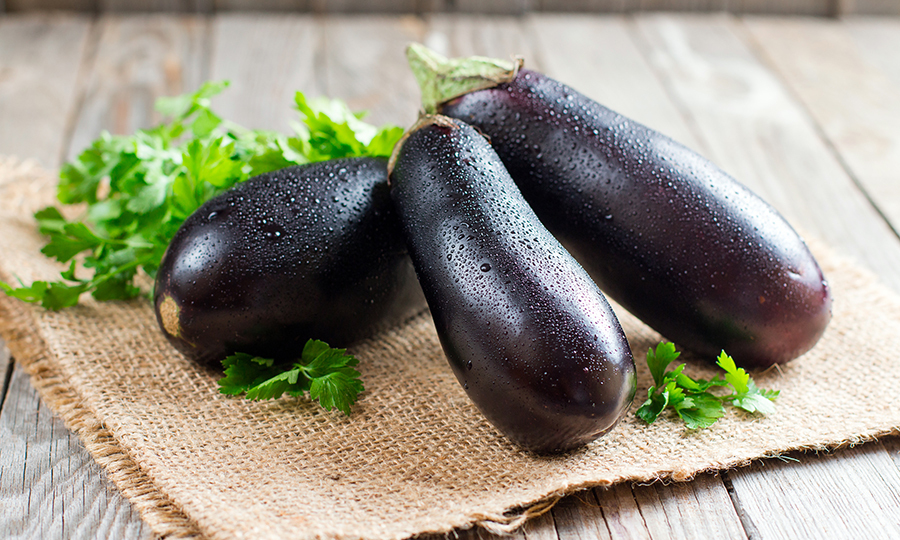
{"type": "Point", "coordinates": [664, 232]}
{"type": "Point", "coordinates": [312, 251]}
{"type": "Point", "coordinates": [527, 333]}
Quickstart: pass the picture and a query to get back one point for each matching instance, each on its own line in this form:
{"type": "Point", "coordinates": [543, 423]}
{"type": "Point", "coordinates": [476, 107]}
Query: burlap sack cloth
{"type": "Point", "coordinates": [415, 456]}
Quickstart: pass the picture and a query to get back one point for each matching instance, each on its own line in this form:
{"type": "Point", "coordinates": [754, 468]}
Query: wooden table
{"type": "Point", "coordinates": [804, 111]}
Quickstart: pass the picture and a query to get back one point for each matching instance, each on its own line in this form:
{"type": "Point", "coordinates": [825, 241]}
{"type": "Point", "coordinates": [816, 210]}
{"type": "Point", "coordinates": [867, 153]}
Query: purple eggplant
{"type": "Point", "coordinates": [663, 231]}
{"type": "Point", "coordinates": [526, 331]}
{"type": "Point", "coordinates": [312, 251]}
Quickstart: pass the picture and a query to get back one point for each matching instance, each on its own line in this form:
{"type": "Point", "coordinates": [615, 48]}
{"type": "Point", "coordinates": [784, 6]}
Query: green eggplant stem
{"type": "Point", "coordinates": [442, 79]}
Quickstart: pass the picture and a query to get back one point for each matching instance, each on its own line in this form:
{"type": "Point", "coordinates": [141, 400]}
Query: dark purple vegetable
{"type": "Point", "coordinates": [662, 231]}
{"type": "Point", "coordinates": [527, 333]}
{"type": "Point", "coordinates": [313, 251]}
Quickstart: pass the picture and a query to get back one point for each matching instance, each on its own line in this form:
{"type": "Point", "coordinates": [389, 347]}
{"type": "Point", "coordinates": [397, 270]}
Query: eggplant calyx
{"type": "Point", "coordinates": [442, 79]}
{"type": "Point", "coordinates": [423, 120]}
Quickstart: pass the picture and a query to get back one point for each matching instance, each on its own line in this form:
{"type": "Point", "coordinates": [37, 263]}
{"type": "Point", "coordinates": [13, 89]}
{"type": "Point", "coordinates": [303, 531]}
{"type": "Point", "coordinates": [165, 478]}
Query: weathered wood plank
{"type": "Point", "coordinates": [878, 40]}
{"type": "Point", "coordinates": [139, 58]}
{"type": "Point", "coordinates": [585, 53]}
{"type": "Point", "coordinates": [778, 7]}
{"type": "Point", "coordinates": [40, 57]}
{"type": "Point", "coordinates": [854, 493]}
{"type": "Point", "coordinates": [478, 533]}
{"type": "Point", "coordinates": [165, 6]}
{"type": "Point", "coordinates": [598, 57]}
{"type": "Point", "coordinates": [856, 105]}
{"type": "Point", "coordinates": [892, 445]}
{"type": "Point", "coordinates": [503, 37]}
{"type": "Point", "coordinates": [469, 35]}
{"type": "Point", "coordinates": [755, 130]}
{"type": "Point", "coordinates": [14, 6]}
{"type": "Point", "coordinates": [262, 5]}
{"type": "Point", "coordinates": [383, 72]}
{"type": "Point", "coordinates": [542, 527]}
{"type": "Point", "coordinates": [690, 510]}
{"type": "Point", "coordinates": [364, 64]}
{"type": "Point", "coordinates": [507, 7]}
{"type": "Point", "coordinates": [267, 59]}
{"type": "Point", "coordinates": [52, 484]}
{"type": "Point", "coordinates": [622, 513]}
{"type": "Point", "coordinates": [362, 6]}
{"type": "Point", "coordinates": [594, 6]}
{"type": "Point", "coordinates": [582, 517]}
{"type": "Point", "coordinates": [868, 7]}
{"type": "Point", "coordinates": [499, 7]}
{"type": "Point", "coordinates": [50, 487]}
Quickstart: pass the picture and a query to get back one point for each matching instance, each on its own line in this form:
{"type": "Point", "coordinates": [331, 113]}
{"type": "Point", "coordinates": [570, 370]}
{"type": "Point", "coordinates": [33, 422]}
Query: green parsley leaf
{"type": "Point", "coordinates": [704, 410]}
{"type": "Point", "coordinates": [692, 399]}
{"type": "Point", "coordinates": [327, 374]}
{"type": "Point", "coordinates": [139, 188]}
{"type": "Point", "coordinates": [747, 395]}
{"type": "Point", "coordinates": [660, 359]}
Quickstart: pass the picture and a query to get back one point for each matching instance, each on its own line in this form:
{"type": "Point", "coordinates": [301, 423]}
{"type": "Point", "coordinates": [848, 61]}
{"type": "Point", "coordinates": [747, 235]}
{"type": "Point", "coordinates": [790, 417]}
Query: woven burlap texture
{"type": "Point", "coordinates": [415, 456]}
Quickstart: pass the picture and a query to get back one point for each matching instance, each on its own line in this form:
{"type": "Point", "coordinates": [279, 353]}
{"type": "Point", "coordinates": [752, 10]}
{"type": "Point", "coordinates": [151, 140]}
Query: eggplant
{"type": "Point", "coordinates": [526, 331]}
{"type": "Point", "coordinates": [307, 252]}
{"type": "Point", "coordinates": [663, 231]}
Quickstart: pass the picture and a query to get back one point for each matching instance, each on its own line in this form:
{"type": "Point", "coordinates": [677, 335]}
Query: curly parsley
{"type": "Point", "coordinates": [327, 374]}
{"type": "Point", "coordinates": [138, 189]}
{"type": "Point", "coordinates": [692, 399]}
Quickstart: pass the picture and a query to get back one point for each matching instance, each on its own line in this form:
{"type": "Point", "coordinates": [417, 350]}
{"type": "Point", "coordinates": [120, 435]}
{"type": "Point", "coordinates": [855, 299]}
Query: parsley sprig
{"type": "Point", "coordinates": [327, 374]}
{"type": "Point", "coordinates": [692, 400]}
{"type": "Point", "coordinates": [136, 190]}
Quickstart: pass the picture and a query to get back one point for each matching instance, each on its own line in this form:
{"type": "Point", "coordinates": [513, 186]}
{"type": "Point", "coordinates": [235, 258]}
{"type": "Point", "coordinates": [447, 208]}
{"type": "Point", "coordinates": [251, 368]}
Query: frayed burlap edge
{"type": "Point", "coordinates": [17, 328]}
{"type": "Point", "coordinates": [28, 350]}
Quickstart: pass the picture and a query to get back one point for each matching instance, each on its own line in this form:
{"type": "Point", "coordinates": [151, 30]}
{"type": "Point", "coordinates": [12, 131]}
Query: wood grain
{"type": "Point", "coordinates": [854, 493]}
{"type": "Point", "coordinates": [364, 64]}
{"type": "Point", "coordinates": [470, 35]}
{"type": "Point", "coordinates": [40, 57]}
{"type": "Point", "coordinates": [267, 58]}
{"type": "Point", "coordinates": [166, 6]}
{"type": "Point", "coordinates": [542, 527]}
{"type": "Point", "coordinates": [598, 57]}
{"type": "Point", "coordinates": [508, 7]}
{"type": "Point", "coordinates": [504, 7]}
{"type": "Point", "coordinates": [261, 5]}
{"type": "Point", "coordinates": [595, 6]}
{"type": "Point", "coordinates": [699, 509]}
{"type": "Point", "coordinates": [868, 7]}
{"type": "Point", "coordinates": [877, 39]}
{"type": "Point", "coordinates": [620, 512]}
{"type": "Point", "coordinates": [14, 6]}
{"type": "Point", "coordinates": [50, 487]}
{"type": "Point", "coordinates": [856, 104]}
{"type": "Point", "coordinates": [581, 51]}
{"type": "Point", "coordinates": [138, 59]}
{"type": "Point", "coordinates": [363, 6]}
{"type": "Point", "coordinates": [755, 130]}
{"type": "Point", "coordinates": [477, 533]}
{"type": "Point", "coordinates": [50, 483]}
